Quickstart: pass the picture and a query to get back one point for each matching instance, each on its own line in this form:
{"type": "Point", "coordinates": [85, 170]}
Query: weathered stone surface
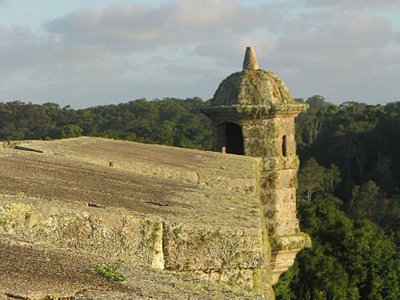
{"type": "Point", "coordinates": [252, 87]}
{"type": "Point", "coordinates": [187, 247]}
{"type": "Point", "coordinates": [70, 198]}
{"type": "Point", "coordinates": [205, 184]}
{"type": "Point", "coordinates": [29, 270]}
{"type": "Point", "coordinates": [99, 231]}
{"type": "Point", "coordinates": [250, 60]}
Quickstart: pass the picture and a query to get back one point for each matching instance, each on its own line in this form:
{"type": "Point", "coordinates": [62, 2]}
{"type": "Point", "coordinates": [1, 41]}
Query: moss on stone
{"type": "Point", "coordinates": [111, 234]}
{"type": "Point", "coordinates": [252, 87]}
{"type": "Point", "coordinates": [16, 215]}
{"type": "Point", "coordinates": [270, 180]}
{"type": "Point", "coordinates": [188, 248]}
{"type": "Point", "coordinates": [291, 242]}
{"type": "Point", "coordinates": [281, 163]}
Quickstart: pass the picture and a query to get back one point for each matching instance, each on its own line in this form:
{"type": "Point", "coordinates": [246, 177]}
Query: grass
{"type": "Point", "coordinates": [110, 271]}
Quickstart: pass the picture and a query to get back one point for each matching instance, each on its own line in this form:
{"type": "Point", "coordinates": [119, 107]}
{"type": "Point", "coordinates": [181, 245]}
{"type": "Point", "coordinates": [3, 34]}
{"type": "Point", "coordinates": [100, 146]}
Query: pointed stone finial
{"type": "Point", "coordinates": [250, 60]}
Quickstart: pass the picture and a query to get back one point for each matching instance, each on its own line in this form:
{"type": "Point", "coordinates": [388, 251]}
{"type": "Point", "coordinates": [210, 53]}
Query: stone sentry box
{"type": "Point", "coordinates": [253, 114]}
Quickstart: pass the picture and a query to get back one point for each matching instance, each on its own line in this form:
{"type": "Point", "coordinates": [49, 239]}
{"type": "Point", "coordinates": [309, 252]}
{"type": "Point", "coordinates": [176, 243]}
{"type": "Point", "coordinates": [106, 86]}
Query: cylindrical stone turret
{"type": "Point", "coordinates": [253, 114]}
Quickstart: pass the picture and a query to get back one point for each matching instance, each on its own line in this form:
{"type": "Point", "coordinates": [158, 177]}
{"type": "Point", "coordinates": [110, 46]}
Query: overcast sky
{"type": "Point", "coordinates": [96, 52]}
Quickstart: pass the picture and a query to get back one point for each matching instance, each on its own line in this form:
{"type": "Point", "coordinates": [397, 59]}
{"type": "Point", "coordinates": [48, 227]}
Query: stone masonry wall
{"type": "Point", "coordinates": [233, 256]}
{"type": "Point", "coordinates": [273, 140]}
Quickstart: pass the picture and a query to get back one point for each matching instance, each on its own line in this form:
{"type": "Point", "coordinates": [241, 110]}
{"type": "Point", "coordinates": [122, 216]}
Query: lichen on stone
{"type": "Point", "coordinates": [252, 87]}
{"type": "Point", "coordinates": [15, 215]}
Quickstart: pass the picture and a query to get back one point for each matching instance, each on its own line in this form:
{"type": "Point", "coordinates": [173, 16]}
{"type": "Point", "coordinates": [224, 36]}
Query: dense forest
{"type": "Point", "coordinates": [348, 182]}
{"type": "Point", "coordinates": [173, 122]}
{"type": "Point", "coordinates": [348, 202]}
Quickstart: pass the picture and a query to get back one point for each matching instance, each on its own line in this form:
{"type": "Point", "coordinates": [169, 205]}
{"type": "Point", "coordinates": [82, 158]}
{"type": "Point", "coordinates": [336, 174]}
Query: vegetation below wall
{"type": "Point", "coordinates": [348, 201]}
{"type": "Point", "coordinates": [348, 183]}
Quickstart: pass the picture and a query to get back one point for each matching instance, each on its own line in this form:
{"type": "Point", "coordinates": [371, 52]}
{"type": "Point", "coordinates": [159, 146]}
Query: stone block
{"type": "Point", "coordinates": [277, 196]}
{"type": "Point", "coordinates": [188, 248]}
{"type": "Point", "coordinates": [103, 232]}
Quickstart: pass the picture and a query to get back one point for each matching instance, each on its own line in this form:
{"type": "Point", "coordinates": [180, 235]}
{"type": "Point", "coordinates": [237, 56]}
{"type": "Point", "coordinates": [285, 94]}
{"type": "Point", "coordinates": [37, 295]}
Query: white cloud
{"type": "Point", "coordinates": [19, 47]}
{"type": "Point", "coordinates": [322, 34]}
{"type": "Point", "coordinates": [128, 27]}
{"type": "Point", "coordinates": [132, 50]}
{"type": "Point", "coordinates": [81, 44]}
{"type": "Point", "coordinates": [352, 4]}
{"type": "Point", "coordinates": [397, 37]}
{"type": "Point", "coordinates": [122, 29]}
{"type": "Point", "coordinates": [335, 51]}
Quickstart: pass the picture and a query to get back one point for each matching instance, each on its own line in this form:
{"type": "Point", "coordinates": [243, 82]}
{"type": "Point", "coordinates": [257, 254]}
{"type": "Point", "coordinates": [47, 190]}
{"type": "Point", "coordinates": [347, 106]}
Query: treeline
{"type": "Point", "coordinates": [170, 121]}
{"type": "Point", "coordinates": [348, 184]}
